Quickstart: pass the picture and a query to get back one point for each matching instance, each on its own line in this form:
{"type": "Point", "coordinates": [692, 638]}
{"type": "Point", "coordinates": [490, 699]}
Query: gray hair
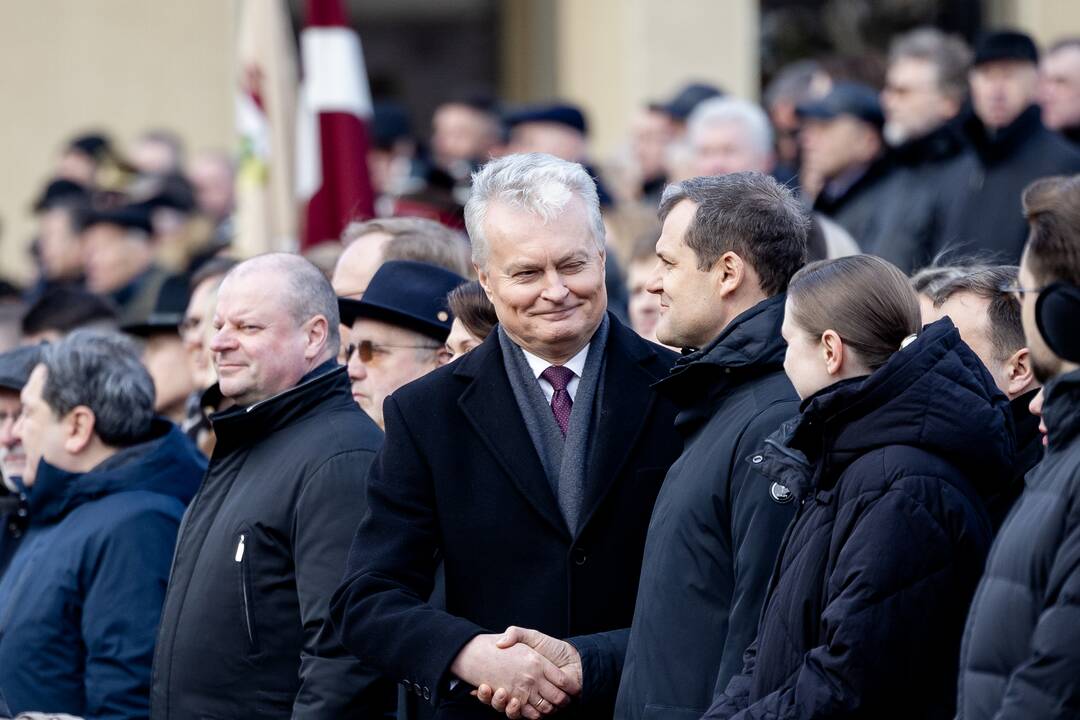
{"type": "Point", "coordinates": [305, 292]}
{"type": "Point", "coordinates": [749, 214]}
{"type": "Point", "coordinates": [538, 183]}
{"type": "Point", "coordinates": [101, 371]}
{"type": "Point", "coordinates": [948, 53]}
{"type": "Point", "coordinates": [748, 115]}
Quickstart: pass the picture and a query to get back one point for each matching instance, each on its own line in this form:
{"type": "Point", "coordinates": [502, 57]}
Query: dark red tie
{"type": "Point", "coordinates": [561, 403]}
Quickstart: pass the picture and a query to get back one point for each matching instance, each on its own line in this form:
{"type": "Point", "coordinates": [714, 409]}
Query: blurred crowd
{"type": "Point", "coordinates": [726, 426]}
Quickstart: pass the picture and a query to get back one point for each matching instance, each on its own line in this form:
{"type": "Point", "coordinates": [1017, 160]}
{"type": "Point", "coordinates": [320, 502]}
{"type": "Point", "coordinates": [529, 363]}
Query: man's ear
{"type": "Point", "coordinates": [484, 279]}
{"type": "Point", "coordinates": [318, 332]}
{"type": "Point", "coordinates": [79, 427]}
{"type": "Point", "coordinates": [728, 274]}
{"type": "Point", "coordinates": [1020, 374]}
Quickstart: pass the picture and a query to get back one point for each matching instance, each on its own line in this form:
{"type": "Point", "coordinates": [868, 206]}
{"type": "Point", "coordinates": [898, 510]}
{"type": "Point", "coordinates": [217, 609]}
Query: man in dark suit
{"type": "Point", "coordinates": [529, 468]}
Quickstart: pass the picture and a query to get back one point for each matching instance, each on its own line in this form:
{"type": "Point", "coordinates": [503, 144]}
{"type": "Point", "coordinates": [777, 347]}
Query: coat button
{"type": "Point", "coordinates": [579, 556]}
{"type": "Point", "coordinates": [416, 689]}
{"type": "Point", "coordinates": [757, 459]}
{"type": "Point", "coordinates": [427, 694]}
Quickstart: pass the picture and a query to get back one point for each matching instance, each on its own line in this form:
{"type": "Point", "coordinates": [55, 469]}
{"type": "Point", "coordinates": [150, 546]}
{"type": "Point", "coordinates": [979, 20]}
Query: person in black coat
{"type": "Point", "coordinates": [897, 440]}
{"type": "Point", "coordinates": [245, 627]}
{"type": "Point", "coordinates": [925, 89]}
{"type": "Point", "coordinates": [1021, 650]}
{"type": "Point", "coordinates": [106, 485]}
{"type": "Point", "coordinates": [843, 152]}
{"type": "Point", "coordinates": [987, 315]}
{"type": "Point", "coordinates": [729, 246]}
{"type": "Point", "coordinates": [529, 467]}
{"type": "Point", "coordinates": [716, 526]}
{"type": "Point", "coordinates": [1008, 148]}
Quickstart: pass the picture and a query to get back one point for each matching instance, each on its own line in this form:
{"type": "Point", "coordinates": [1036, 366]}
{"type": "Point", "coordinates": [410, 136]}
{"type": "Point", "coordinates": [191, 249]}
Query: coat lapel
{"type": "Point", "coordinates": [489, 404]}
{"type": "Point", "coordinates": [625, 406]}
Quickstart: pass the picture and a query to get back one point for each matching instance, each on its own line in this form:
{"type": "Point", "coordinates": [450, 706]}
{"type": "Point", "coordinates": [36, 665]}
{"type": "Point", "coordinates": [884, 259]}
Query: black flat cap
{"type": "Point", "coordinates": [62, 192]}
{"type": "Point", "coordinates": [559, 113]}
{"type": "Point", "coordinates": [1005, 45]}
{"type": "Point", "coordinates": [15, 366]}
{"type": "Point", "coordinates": [686, 99]}
{"type": "Point", "coordinates": [408, 294]}
{"type": "Point", "coordinates": [168, 311]}
{"type": "Point", "coordinates": [135, 216]}
{"type": "Point", "coordinates": [845, 98]}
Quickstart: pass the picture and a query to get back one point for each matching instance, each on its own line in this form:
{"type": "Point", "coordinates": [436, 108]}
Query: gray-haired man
{"type": "Point", "coordinates": [529, 467]}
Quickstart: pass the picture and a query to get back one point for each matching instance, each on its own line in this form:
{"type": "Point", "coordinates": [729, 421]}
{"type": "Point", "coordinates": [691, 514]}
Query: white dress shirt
{"type": "Point", "coordinates": [576, 364]}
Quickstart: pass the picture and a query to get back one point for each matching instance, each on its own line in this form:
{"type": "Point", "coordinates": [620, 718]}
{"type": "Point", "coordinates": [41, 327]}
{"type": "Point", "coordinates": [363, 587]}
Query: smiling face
{"type": "Point", "coordinates": [691, 312]}
{"type": "Point", "coordinates": [259, 349]}
{"type": "Point", "coordinates": [546, 280]}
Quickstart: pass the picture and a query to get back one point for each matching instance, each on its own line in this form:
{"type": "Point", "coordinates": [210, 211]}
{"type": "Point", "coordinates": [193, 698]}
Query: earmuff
{"type": "Point", "coordinates": [1057, 315]}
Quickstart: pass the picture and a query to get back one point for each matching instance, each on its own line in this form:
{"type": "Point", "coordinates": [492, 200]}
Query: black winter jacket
{"type": "Point", "coordinates": [905, 220]}
{"type": "Point", "coordinates": [716, 525]}
{"type": "Point", "coordinates": [245, 630]}
{"type": "Point", "coordinates": [858, 208]}
{"type": "Point", "coordinates": [981, 211]}
{"type": "Point", "coordinates": [1021, 655]}
{"type": "Point", "coordinates": [867, 603]}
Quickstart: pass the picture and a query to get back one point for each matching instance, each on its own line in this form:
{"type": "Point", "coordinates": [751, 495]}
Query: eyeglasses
{"type": "Point", "coordinates": [189, 324]}
{"type": "Point", "coordinates": [1017, 291]}
{"type": "Point", "coordinates": [367, 350]}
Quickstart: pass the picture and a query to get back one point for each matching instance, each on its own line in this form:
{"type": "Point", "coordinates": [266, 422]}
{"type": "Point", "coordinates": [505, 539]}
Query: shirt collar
{"type": "Point", "coordinates": [576, 363]}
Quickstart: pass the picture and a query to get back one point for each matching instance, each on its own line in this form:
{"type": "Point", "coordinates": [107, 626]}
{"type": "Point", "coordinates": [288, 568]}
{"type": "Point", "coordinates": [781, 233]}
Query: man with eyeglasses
{"type": "Point", "coordinates": [398, 330]}
{"type": "Point", "coordinates": [1021, 651]}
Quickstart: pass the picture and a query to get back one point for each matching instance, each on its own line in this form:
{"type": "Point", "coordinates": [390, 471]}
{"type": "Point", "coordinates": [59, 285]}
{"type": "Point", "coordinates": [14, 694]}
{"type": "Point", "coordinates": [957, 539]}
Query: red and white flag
{"type": "Point", "coordinates": [266, 209]}
{"type": "Point", "coordinates": [332, 126]}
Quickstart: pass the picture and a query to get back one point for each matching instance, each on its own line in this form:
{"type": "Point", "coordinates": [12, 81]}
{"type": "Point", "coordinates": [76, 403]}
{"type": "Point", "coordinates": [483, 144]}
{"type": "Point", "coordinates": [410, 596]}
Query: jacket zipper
{"type": "Point", "coordinates": [239, 558]}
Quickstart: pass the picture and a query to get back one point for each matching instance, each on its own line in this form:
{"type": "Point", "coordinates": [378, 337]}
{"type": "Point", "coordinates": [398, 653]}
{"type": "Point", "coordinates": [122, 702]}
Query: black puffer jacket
{"type": "Point", "coordinates": [867, 602]}
{"type": "Point", "coordinates": [1021, 656]}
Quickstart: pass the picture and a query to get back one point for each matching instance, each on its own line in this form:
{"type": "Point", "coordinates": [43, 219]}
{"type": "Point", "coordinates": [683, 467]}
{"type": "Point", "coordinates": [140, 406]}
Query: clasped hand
{"type": "Point", "coordinates": [522, 673]}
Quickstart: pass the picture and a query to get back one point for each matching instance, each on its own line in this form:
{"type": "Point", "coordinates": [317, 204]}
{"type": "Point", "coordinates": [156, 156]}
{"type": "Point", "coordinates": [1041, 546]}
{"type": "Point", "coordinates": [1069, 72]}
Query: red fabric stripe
{"type": "Point", "coordinates": [346, 193]}
{"type": "Point", "coordinates": [326, 13]}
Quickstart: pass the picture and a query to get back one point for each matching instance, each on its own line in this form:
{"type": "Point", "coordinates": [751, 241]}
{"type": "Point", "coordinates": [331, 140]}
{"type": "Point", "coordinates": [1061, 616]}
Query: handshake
{"type": "Point", "coordinates": [522, 673]}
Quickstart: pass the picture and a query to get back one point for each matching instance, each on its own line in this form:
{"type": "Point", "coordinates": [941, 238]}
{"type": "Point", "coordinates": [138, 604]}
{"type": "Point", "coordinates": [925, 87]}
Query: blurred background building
{"type": "Point", "coordinates": [123, 66]}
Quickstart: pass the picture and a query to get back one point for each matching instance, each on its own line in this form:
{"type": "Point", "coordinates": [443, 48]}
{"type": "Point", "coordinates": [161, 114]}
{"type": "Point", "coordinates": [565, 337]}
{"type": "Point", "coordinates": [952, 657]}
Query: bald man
{"type": "Point", "coordinates": [264, 542]}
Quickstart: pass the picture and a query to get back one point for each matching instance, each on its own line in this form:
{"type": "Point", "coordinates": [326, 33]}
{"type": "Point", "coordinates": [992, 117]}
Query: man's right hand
{"type": "Point", "coordinates": [527, 675]}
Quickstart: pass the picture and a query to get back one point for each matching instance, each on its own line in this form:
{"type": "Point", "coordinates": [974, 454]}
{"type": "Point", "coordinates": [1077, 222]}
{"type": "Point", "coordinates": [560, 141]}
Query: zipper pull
{"type": "Point", "coordinates": [240, 549]}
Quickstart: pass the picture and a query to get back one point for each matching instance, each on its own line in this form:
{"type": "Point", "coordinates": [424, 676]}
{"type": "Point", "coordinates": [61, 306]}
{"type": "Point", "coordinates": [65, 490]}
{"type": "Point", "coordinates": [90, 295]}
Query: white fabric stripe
{"type": "Point", "coordinates": [335, 78]}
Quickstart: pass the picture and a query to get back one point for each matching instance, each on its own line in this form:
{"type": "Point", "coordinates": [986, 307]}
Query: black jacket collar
{"type": "Point", "coordinates": [238, 425]}
{"type": "Point", "coordinates": [1061, 410]}
{"type": "Point", "coordinates": [999, 146]}
{"type": "Point", "coordinates": [942, 143]}
{"type": "Point", "coordinates": [749, 346]}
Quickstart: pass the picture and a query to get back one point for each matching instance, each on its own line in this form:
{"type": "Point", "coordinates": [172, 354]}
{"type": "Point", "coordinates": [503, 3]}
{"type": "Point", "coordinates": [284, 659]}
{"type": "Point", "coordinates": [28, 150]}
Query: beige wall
{"type": "Point", "coordinates": [119, 65]}
{"type": "Point", "coordinates": [1046, 20]}
{"type": "Point", "coordinates": [615, 55]}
